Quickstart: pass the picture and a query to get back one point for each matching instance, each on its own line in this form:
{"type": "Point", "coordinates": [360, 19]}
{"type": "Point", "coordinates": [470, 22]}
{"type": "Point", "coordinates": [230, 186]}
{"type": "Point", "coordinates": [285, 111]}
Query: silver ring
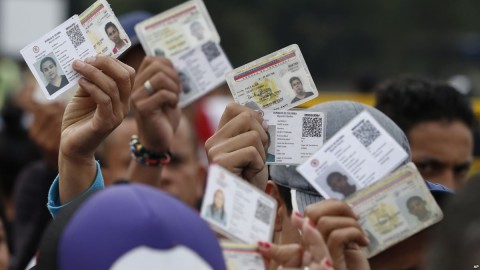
{"type": "Point", "coordinates": [148, 87]}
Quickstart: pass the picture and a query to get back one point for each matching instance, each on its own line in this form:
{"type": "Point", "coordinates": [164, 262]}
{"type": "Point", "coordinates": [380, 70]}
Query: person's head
{"type": "Point", "coordinates": [48, 66]}
{"type": "Point", "coordinates": [112, 32]}
{"type": "Point", "coordinates": [339, 183]}
{"type": "Point", "coordinates": [197, 30]}
{"type": "Point", "coordinates": [185, 175]}
{"type": "Point", "coordinates": [219, 199]}
{"type": "Point", "coordinates": [438, 121]}
{"type": "Point", "coordinates": [114, 152]}
{"type": "Point", "coordinates": [184, 82]}
{"type": "Point", "coordinates": [129, 226]}
{"type": "Point", "coordinates": [291, 190]}
{"type": "Point", "coordinates": [417, 207]}
{"type": "Point", "coordinates": [297, 85]}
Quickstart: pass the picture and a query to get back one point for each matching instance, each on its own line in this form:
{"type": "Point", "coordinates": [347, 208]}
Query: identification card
{"type": "Point", "coordinates": [177, 30]}
{"type": "Point", "coordinates": [242, 257]}
{"type": "Point", "coordinates": [104, 30]}
{"type": "Point", "coordinates": [50, 58]}
{"type": "Point", "coordinates": [187, 36]}
{"type": "Point", "coordinates": [294, 135]}
{"type": "Point", "coordinates": [359, 154]}
{"type": "Point", "coordinates": [395, 208]}
{"type": "Point", "coordinates": [236, 209]}
{"type": "Point", "coordinates": [278, 81]}
{"type": "Point", "coordinates": [201, 70]}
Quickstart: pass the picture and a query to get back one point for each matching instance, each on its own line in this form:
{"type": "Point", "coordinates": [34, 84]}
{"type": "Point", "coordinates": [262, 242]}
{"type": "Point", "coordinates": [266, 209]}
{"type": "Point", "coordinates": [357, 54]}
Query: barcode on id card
{"type": "Point", "coordinates": [366, 133]}
{"type": "Point", "coordinates": [75, 34]}
{"type": "Point", "coordinates": [263, 212]}
{"type": "Point", "coordinates": [312, 126]}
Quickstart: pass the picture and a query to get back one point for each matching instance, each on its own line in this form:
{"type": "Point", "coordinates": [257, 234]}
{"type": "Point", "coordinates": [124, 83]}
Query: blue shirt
{"type": "Point", "coordinates": [54, 205]}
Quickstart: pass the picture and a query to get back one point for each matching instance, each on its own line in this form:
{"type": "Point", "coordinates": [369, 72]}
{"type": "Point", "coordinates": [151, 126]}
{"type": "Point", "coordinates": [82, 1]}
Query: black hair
{"type": "Point", "coordinates": [287, 197]}
{"type": "Point", "coordinates": [413, 198]}
{"type": "Point", "coordinates": [333, 175]}
{"type": "Point", "coordinates": [108, 25]}
{"type": "Point", "coordinates": [212, 206]}
{"type": "Point", "coordinates": [46, 59]}
{"type": "Point", "coordinates": [293, 79]}
{"type": "Point", "coordinates": [409, 101]}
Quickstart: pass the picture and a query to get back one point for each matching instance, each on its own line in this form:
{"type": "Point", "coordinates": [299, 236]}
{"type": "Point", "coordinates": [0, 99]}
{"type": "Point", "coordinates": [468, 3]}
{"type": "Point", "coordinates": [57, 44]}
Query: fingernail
{"type": "Point", "coordinates": [297, 214]}
{"type": "Point", "coordinates": [90, 59]}
{"type": "Point", "coordinates": [311, 223]}
{"type": "Point", "coordinates": [264, 245]}
{"type": "Point", "coordinates": [367, 240]}
{"type": "Point", "coordinates": [265, 125]}
{"type": "Point", "coordinates": [78, 64]}
{"type": "Point", "coordinates": [328, 263]}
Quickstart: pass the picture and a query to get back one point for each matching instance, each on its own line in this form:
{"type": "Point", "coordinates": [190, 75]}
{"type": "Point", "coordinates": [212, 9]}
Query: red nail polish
{"type": "Point", "coordinates": [298, 215]}
{"type": "Point", "coordinates": [261, 244]}
{"type": "Point", "coordinates": [267, 245]}
{"type": "Point", "coordinates": [311, 223]}
{"type": "Point", "coordinates": [328, 263]}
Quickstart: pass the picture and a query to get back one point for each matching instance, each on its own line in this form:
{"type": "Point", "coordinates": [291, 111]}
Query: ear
{"type": "Point", "coordinates": [272, 190]}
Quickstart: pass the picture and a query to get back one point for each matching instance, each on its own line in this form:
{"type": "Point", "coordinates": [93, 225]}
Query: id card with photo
{"type": "Point", "coordinates": [241, 256]}
{"type": "Point", "coordinates": [177, 30]}
{"type": "Point", "coordinates": [395, 208]}
{"type": "Point", "coordinates": [236, 209]}
{"type": "Point", "coordinates": [278, 81]}
{"type": "Point", "coordinates": [201, 70]}
{"type": "Point", "coordinates": [294, 136]}
{"type": "Point", "coordinates": [359, 154]}
{"type": "Point", "coordinates": [104, 30]}
{"type": "Point", "coordinates": [50, 58]}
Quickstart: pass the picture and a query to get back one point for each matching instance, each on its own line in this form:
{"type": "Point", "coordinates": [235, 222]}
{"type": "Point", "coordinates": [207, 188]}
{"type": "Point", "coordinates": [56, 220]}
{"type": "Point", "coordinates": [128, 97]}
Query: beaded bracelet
{"type": "Point", "coordinates": [147, 157]}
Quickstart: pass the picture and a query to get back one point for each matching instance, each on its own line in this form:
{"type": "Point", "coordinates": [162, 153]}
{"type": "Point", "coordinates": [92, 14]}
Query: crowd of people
{"type": "Point", "coordinates": [114, 178]}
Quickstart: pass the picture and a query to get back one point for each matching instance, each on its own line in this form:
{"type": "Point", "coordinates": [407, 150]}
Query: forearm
{"type": "Point", "coordinates": [76, 174]}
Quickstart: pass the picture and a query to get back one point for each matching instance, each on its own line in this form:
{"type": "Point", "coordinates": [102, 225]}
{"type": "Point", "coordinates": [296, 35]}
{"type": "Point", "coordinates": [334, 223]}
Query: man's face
{"type": "Point", "coordinates": [297, 86]}
{"type": "Point", "coordinates": [417, 207]}
{"type": "Point", "coordinates": [183, 177]}
{"type": "Point", "coordinates": [113, 34]}
{"type": "Point", "coordinates": [339, 183]}
{"type": "Point", "coordinates": [442, 151]}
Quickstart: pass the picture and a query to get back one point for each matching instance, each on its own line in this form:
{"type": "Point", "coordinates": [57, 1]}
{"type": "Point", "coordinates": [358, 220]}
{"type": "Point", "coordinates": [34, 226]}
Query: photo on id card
{"type": "Point", "coordinates": [394, 208]}
{"type": "Point", "coordinates": [104, 30]}
{"type": "Point", "coordinates": [278, 81]}
{"type": "Point", "coordinates": [236, 209]}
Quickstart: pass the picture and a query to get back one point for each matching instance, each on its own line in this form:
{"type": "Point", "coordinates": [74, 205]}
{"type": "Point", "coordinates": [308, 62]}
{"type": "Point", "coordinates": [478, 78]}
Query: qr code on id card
{"type": "Point", "coordinates": [263, 212]}
{"type": "Point", "coordinates": [75, 34]}
{"type": "Point", "coordinates": [312, 126]}
{"type": "Point", "coordinates": [366, 133]}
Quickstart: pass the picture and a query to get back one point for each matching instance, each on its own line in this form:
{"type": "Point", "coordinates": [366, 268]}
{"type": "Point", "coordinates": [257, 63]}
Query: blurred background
{"type": "Point", "coordinates": [348, 45]}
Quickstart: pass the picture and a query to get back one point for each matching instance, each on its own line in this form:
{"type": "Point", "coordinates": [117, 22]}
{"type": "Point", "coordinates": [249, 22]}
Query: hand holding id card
{"type": "Point", "coordinates": [278, 81]}
{"type": "Point", "coordinates": [187, 36]}
{"type": "Point", "coordinates": [395, 208]}
{"type": "Point", "coordinates": [359, 154]}
{"type": "Point", "coordinates": [50, 58]}
{"type": "Point", "coordinates": [236, 209]}
{"type": "Point", "coordinates": [294, 136]}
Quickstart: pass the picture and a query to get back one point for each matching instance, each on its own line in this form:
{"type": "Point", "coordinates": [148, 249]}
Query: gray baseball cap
{"type": "Point", "coordinates": [338, 114]}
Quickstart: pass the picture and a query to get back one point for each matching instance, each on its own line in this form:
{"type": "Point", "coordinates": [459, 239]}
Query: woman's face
{"type": "Point", "coordinates": [219, 199]}
{"type": "Point", "coordinates": [113, 34]}
{"type": "Point", "coordinates": [49, 70]}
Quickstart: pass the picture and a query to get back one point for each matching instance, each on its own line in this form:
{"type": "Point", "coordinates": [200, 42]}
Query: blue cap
{"type": "Point", "coordinates": [129, 20]}
{"type": "Point", "coordinates": [133, 226]}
